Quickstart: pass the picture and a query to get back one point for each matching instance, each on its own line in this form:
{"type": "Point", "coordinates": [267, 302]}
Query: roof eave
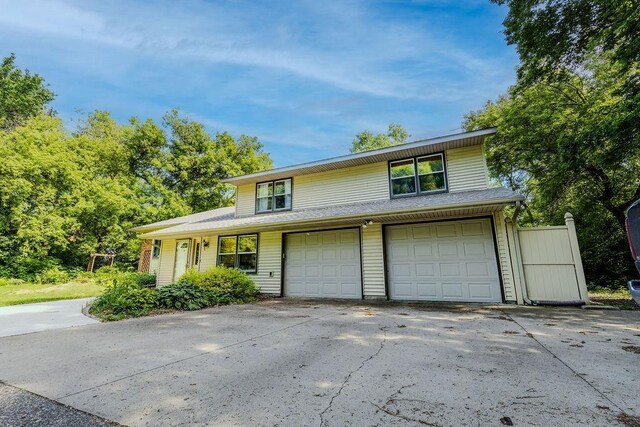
{"type": "Point", "coordinates": [502, 201]}
{"type": "Point", "coordinates": [254, 177]}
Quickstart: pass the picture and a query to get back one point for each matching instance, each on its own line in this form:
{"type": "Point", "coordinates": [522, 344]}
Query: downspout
{"type": "Point", "coordinates": [516, 242]}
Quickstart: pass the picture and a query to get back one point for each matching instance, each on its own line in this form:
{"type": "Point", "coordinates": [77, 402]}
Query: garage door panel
{"type": "Point", "coordinates": [474, 248]}
{"type": "Point", "coordinates": [349, 271]}
{"type": "Point", "coordinates": [422, 232]}
{"type": "Point", "coordinates": [329, 238]}
{"type": "Point", "coordinates": [403, 289]}
{"type": "Point", "coordinates": [473, 229]}
{"type": "Point", "coordinates": [400, 251]}
{"type": "Point", "coordinates": [323, 264]}
{"type": "Point", "coordinates": [461, 267]}
{"type": "Point", "coordinates": [477, 269]}
{"type": "Point", "coordinates": [400, 233]}
{"type": "Point", "coordinates": [329, 288]}
{"type": "Point", "coordinates": [349, 254]}
{"type": "Point", "coordinates": [329, 271]}
{"type": "Point", "coordinates": [427, 290]}
{"type": "Point", "coordinates": [448, 249]}
{"type": "Point", "coordinates": [401, 270]}
{"type": "Point", "coordinates": [423, 269]}
{"type": "Point", "coordinates": [480, 291]}
{"type": "Point", "coordinates": [423, 249]}
{"type": "Point", "coordinates": [452, 290]}
{"type": "Point", "coordinates": [329, 255]}
{"type": "Point", "coordinates": [351, 289]}
{"type": "Point", "coordinates": [449, 269]}
{"type": "Point", "coordinates": [446, 230]}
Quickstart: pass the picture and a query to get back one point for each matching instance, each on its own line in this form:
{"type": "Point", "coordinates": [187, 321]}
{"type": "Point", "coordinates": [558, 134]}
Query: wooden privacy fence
{"type": "Point", "coordinates": [547, 263]}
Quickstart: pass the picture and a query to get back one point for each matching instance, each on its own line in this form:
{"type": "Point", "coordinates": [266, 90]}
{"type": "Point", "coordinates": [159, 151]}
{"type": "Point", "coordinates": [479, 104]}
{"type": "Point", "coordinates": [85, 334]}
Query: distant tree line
{"type": "Point", "coordinates": [66, 193]}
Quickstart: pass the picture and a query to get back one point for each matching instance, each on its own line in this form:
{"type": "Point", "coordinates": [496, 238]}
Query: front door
{"type": "Point", "coordinates": [182, 258]}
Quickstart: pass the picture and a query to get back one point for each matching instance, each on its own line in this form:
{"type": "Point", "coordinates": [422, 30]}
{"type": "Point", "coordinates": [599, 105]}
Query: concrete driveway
{"type": "Point", "coordinates": [307, 363]}
{"type": "Point", "coordinates": [43, 316]}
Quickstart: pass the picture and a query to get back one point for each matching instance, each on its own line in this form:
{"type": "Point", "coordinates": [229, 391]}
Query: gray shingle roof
{"type": "Point", "coordinates": [363, 209]}
{"type": "Point", "coordinates": [219, 213]}
{"type": "Point", "coordinates": [410, 149]}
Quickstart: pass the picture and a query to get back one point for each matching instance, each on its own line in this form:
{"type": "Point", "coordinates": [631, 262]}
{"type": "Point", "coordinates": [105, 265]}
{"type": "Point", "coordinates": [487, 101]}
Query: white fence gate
{"type": "Point", "coordinates": [547, 263]}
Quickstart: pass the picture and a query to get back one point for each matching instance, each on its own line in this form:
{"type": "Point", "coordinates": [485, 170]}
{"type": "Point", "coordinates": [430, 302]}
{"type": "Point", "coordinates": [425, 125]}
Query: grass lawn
{"type": "Point", "coordinates": [620, 298]}
{"type": "Point", "coordinates": [29, 292]}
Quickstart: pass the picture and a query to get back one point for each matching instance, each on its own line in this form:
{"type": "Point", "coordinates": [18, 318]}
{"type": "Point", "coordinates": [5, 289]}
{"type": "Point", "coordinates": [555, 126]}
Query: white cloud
{"type": "Point", "coordinates": [339, 44]}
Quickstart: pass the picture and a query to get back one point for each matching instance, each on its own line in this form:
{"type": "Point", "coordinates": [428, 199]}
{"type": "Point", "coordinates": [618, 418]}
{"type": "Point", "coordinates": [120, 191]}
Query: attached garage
{"type": "Point", "coordinates": [323, 264]}
{"type": "Point", "coordinates": [443, 261]}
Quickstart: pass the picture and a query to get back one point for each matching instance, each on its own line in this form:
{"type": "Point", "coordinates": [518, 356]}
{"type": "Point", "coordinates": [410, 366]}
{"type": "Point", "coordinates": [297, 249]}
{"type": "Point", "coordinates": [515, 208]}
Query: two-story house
{"type": "Point", "coordinates": [418, 221]}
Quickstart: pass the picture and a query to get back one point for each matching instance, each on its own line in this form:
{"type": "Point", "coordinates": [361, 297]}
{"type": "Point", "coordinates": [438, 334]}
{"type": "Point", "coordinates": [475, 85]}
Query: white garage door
{"type": "Point", "coordinates": [443, 261]}
{"type": "Point", "coordinates": [323, 264]}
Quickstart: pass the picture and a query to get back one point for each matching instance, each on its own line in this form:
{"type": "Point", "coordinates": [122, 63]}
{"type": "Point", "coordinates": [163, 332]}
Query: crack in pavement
{"type": "Point", "coordinates": [397, 414]}
{"type": "Point", "coordinates": [204, 353]}
{"type": "Point", "coordinates": [393, 398]}
{"type": "Point", "coordinates": [346, 380]}
{"type": "Point", "coordinates": [530, 335]}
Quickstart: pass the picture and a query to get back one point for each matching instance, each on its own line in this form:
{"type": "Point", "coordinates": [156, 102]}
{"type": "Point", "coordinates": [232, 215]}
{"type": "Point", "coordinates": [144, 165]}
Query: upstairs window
{"type": "Point", "coordinates": [273, 196]}
{"type": "Point", "coordinates": [403, 177]}
{"type": "Point", "coordinates": [421, 175]}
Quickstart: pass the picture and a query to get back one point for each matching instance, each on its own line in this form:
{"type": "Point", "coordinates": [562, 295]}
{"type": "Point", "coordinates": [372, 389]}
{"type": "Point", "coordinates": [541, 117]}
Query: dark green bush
{"type": "Point", "coordinates": [145, 279]}
{"type": "Point", "coordinates": [225, 285]}
{"type": "Point", "coordinates": [107, 275]}
{"type": "Point", "coordinates": [184, 296]}
{"type": "Point", "coordinates": [124, 299]}
{"type": "Point", "coordinates": [53, 276]}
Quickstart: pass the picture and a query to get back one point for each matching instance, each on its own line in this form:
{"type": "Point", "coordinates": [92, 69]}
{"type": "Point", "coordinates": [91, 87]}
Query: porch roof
{"type": "Point", "coordinates": [490, 199]}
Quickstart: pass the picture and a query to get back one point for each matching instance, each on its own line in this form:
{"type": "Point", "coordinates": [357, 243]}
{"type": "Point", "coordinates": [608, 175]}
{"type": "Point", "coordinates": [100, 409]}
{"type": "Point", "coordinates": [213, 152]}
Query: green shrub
{"type": "Point", "coordinates": [184, 296]}
{"type": "Point", "coordinates": [108, 274]}
{"type": "Point", "coordinates": [124, 299]}
{"type": "Point", "coordinates": [144, 279]}
{"type": "Point", "coordinates": [52, 276]}
{"type": "Point", "coordinates": [5, 281]}
{"type": "Point", "coordinates": [225, 285]}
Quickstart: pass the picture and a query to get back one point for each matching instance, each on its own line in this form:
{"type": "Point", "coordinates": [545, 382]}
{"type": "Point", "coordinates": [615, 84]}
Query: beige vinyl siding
{"type": "Point", "coordinates": [246, 200]}
{"type": "Point", "coordinates": [504, 257]}
{"type": "Point", "coordinates": [373, 261]}
{"type": "Point", "coordinates": [167, 257]}
{"type": "Point", "coordinates": [467, 169]}
{"type": "Point", "coordinates": [209, 255]}
{"type": "Point", "coordinates": [269, 261]}
{"type": "Point", "coordinates": [358, 184]}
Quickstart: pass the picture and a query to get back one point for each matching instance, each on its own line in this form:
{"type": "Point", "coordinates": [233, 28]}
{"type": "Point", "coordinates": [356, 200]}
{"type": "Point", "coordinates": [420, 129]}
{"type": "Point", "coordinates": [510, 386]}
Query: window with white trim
{"type": "Point", "coordinates": [273, 196]}
{"type": "Point", "coordinates": [239, 252]}
{"type": "Point", "coordinates": [428, 177]}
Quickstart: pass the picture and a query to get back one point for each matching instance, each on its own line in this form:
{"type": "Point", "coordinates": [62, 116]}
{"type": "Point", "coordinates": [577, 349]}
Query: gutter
{"type": "Point", "coordinates": [346, 217]}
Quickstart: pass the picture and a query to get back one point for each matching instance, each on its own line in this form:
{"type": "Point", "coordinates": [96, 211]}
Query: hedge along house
{"type": "Point", "coordinates": [418, 221]}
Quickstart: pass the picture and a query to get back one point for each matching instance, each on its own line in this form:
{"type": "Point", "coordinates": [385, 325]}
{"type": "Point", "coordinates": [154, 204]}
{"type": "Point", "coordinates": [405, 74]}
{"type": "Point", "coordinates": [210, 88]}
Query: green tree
{"type": "Point", "coordinates": [197, 161]}
{"type": "Point", "coordinates": [22, 94]}
{"type": "Point", "coordinates": [366, 141]}
{"type": "Point", "coordinates": [569, 146]}
{"type": "Point", "coordinates": [553, 36]}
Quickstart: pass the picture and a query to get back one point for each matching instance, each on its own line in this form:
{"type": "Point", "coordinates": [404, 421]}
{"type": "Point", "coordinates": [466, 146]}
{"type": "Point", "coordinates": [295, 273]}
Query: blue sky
{"type": "Point", "coordinates": [304, 76]}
